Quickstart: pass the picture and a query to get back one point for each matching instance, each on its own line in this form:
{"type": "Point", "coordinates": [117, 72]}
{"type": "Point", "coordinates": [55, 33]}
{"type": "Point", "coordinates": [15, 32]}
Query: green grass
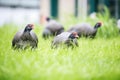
{"type": "Point", "coordinates": [94, 59]}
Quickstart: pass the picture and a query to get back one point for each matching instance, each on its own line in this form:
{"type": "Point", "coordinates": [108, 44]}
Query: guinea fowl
{"type": "Point", "coordinates": [52, 28]}
{"type": "Point", "coordinates": [70, 39]}
{"type": "Point", "coordinates": [85, 29]}
{"type": "Point", "coordinates": [25, 38]}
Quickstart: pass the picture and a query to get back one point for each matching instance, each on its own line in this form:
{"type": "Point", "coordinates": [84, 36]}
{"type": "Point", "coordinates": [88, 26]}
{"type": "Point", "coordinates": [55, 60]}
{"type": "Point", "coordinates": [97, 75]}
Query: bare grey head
{"type": "Point", "coordinates": [97, 25]}
{"type": "Point", "coordinates": [29, 27]}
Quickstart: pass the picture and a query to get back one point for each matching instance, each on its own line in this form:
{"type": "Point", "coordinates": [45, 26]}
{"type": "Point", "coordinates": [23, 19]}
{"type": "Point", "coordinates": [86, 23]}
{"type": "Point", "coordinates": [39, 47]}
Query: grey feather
{"type": "Point", "coordinates": [84, 29]}
{"type": "Point", "coordinates": [23, 40]}
{"type": "Point", "coordinates": [63, 38]}
{"type": "Point", "coordinates": [52, 28]}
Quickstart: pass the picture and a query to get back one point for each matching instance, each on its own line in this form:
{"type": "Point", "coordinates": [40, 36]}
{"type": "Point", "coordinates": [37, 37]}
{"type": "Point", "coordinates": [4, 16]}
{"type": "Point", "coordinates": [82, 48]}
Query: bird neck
{"type": "Point", "coordinates": [26, 30]}
{"type": "Point", "coordinates": [26, 35]}
{"type": "Point", "coordinates": [70, 39]}
{"type": "Point", "coordinates": [48, 19]}
{"type": "Point", "coordinates": [96, 26]}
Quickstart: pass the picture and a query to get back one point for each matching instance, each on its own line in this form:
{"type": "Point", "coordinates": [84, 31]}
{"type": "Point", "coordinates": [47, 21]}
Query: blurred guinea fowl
{"type": "Point", "coordinates": [85, 29]}
{"type": "Point", "coordinates": [52, 28]}
{"type": "Point", "coordinates": [25, 38]}
{"type": "Point", "coordinates": [70, 39]}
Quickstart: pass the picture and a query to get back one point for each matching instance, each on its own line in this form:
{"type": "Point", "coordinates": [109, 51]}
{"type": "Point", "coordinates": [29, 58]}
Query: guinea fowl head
{"type": "Point", "coordinates": [97, 25]}
{"type": "Point", "coordinates": [47, 19]}
{"type": "Point", "coordinates": [73, 35]}
{"type": "Point", "coordinates": [29, 27]}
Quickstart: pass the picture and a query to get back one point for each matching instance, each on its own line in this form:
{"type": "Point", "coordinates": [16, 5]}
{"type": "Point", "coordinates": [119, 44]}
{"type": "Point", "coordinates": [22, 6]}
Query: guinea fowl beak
{"type": "Point", "coordinates": [32, 26]}
{"type": "Point", "coordinates": [76, 36]}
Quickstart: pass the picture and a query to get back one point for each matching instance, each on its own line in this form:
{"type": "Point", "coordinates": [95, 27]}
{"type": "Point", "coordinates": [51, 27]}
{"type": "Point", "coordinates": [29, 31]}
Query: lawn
{"type": "Point", "coordinates": [94, 59]}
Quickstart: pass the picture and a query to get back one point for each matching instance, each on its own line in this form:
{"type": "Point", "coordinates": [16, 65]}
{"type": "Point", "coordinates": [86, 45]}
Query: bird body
{"type": "Point", "coordinates": [65, 38]}
{"type": "Point", "coordinates": [52, 28]}
{"type": "Point", "coordinates": [23, 39]}
{"type": "Point", "coordinates": [62, 37]}
{"type": "Point", "coordinates": [85, 29]}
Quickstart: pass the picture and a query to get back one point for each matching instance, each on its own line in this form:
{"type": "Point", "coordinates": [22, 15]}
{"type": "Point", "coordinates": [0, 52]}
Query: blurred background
{"type": "Point", "coordinates": [34, 11]}
{"type": "Point", "coordinates": [19, 11]}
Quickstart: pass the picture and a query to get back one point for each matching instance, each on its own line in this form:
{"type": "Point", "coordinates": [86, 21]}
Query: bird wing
{"type": "Point", "coordinates": [61, 37]}
{"type": "Point", "coordinates": [17, 37]}
{"type": "Point", "coordinates": [85, 28]}
{"type": "Point", "coordinates": [34, 36]}
{"type": "Point", "coordinates": [72, 28]}
{"type": "Point", "coordinates": [54, 26]}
